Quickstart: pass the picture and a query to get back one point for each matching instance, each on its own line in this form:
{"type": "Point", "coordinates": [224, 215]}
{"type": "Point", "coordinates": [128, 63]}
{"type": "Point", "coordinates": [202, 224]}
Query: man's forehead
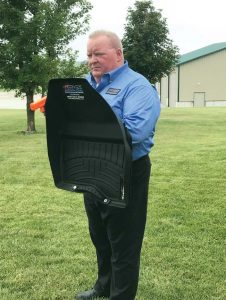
{"type": "Point", "coordinates": [99, 42]}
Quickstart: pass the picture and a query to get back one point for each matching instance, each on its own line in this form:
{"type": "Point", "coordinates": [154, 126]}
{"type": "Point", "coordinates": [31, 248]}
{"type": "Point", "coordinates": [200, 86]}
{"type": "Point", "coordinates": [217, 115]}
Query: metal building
{"type": "Point", "coordinates": [199, 79]}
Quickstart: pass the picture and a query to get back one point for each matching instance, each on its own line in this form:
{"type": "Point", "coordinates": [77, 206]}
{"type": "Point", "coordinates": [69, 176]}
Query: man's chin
{"type": "Point", "coordinates": [96, 74]}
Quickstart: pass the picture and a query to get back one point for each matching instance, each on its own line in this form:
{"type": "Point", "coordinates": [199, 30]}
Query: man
{"type": "Point", "coordinates": [117, 233]}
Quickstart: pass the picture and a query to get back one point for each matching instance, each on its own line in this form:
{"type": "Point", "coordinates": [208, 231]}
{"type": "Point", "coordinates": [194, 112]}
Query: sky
{"type": "Point", "coordinates": [192, 24]}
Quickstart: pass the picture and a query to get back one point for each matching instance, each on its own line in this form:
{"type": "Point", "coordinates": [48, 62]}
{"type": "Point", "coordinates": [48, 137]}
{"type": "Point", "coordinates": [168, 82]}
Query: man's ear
{"type": "Point", "coordinates": [119, 54]}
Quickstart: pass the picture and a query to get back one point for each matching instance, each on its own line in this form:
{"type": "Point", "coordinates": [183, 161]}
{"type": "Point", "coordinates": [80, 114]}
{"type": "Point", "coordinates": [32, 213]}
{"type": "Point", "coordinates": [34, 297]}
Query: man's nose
{"type": "Point", "coordinates": [92, 58]}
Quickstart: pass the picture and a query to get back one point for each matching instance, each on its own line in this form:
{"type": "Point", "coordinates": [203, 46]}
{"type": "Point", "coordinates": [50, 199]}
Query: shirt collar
{"type": "Point", "coordinates": [114, 73]}
{"type": "Point", "coordinates": [109, 76]}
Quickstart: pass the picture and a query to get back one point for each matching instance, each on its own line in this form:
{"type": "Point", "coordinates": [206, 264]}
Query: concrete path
{"type": "Point", "coordinates": [9, 101]}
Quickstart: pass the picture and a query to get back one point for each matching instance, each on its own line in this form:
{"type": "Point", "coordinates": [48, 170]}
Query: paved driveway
{"type": "Point", "coordinates": [8, 100]}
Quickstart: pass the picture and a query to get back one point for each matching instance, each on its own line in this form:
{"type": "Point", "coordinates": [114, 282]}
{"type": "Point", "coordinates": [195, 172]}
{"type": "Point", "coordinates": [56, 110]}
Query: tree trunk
{"type": "Point", "coordinates": [30, 114]}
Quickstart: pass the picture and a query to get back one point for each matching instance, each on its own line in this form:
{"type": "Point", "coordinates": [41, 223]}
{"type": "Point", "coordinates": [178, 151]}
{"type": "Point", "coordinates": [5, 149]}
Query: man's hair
{"type": "Point", "coordinates": [115, 40]}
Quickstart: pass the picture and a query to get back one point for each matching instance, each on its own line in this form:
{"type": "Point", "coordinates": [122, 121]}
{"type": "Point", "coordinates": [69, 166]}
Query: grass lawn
{"type": "Point", "coordinates": [45, 249]}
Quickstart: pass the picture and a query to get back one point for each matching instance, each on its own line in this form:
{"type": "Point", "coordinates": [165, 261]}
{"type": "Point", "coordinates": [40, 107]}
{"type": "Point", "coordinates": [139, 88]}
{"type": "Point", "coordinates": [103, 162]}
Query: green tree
{"type": "Point", "coordinates": [69, 67]}
{"type": "Point", "coordinates": [146, 44]}
{"type": "Point", "coordinates": [34, 35]}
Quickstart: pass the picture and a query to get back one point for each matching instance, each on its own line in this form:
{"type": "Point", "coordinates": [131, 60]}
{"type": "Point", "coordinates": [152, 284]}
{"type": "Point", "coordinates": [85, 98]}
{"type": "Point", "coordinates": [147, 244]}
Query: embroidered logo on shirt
{"type": "Point", "coordinates": [112, 91]}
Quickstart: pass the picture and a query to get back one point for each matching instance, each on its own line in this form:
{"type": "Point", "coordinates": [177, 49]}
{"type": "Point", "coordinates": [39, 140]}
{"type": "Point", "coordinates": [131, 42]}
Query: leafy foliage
{"type": "Point", "coordinates": [68, 67]}
{"type": "Point", "coordinates": [146, 44]}
{"type": "Point", "coordinates": [34, 35]}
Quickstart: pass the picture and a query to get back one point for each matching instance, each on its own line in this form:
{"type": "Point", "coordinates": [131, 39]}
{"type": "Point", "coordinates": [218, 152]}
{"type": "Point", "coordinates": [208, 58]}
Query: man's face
{"type": "Point", "coordinates": [102, 57]}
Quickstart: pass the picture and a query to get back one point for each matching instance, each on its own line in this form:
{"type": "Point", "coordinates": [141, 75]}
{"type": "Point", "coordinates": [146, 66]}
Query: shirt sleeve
{"type": "Point", "coordinates": [140, 112]}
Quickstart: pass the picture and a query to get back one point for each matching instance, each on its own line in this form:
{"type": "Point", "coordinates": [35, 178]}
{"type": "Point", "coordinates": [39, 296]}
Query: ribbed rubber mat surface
{"type": "Point", "coordinates": [95, 164]}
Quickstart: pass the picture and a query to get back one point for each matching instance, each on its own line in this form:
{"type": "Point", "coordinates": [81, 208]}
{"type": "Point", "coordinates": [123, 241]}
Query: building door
{"type": "Point", "coordinates": [199, 99]}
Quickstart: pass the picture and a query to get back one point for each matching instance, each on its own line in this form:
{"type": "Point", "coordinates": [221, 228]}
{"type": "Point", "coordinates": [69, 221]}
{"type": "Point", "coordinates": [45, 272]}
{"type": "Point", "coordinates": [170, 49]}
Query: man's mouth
{"type": "Point", "coordinates": [95, 68]}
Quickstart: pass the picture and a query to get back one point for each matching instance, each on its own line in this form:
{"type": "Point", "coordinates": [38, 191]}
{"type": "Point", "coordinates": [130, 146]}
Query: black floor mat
{"type": "Point", "coordinates": [89, 149]}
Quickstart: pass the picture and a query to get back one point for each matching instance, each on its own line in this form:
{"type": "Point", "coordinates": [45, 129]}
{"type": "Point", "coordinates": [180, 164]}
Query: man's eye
{"type": "Point", "coordinates": [99, 54]}
{"type": "Point", "coordinates": [96, 54]}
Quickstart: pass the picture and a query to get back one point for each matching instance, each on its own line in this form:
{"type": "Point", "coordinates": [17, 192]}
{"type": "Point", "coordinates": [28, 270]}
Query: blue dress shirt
{"type": "Point", "coordinates": [135, 101]}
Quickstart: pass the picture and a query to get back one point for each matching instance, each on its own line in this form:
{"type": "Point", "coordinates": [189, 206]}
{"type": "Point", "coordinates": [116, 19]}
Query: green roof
{"type": "Point", "coordinates": [201, 52]}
